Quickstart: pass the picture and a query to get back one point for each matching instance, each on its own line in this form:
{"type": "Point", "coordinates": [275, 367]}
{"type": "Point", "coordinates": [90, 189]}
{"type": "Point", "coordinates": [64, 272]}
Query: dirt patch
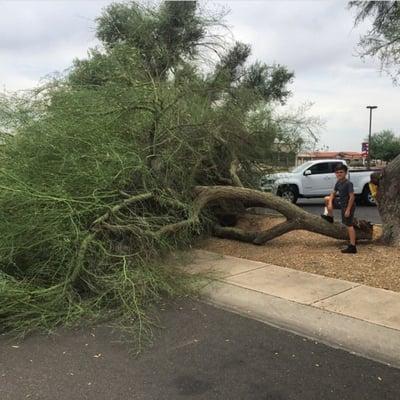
{"type": "Point", "coordinates": [374, 265]}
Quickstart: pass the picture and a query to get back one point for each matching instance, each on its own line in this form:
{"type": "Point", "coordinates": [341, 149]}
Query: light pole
{"type": "Point", "coordinates": [369, 135]}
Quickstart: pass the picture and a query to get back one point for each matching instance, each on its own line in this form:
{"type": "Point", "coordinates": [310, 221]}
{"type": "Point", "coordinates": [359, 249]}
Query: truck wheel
{"type": "Point", "coordinates": [367, 197]}
{"type": "Point", "coordinates": [288, 193]}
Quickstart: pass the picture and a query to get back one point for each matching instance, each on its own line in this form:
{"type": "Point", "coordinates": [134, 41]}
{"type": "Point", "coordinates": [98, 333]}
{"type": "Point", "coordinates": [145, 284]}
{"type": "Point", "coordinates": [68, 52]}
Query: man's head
{"type": "Point", "coordinates": [341, 171]}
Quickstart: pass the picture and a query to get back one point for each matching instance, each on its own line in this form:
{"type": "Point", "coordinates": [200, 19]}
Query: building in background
{"type": "Point", "coordinates": [353, 158]}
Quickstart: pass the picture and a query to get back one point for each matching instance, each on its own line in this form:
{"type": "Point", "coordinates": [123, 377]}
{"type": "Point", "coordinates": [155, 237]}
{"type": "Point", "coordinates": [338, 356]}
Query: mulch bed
{"type": "Point", "coordinates": [374, 265]}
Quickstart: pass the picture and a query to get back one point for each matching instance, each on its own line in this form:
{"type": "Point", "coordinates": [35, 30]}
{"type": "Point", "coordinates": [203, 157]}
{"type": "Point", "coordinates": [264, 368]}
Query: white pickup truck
{"type": "Point", "coordinates": [316, 179]}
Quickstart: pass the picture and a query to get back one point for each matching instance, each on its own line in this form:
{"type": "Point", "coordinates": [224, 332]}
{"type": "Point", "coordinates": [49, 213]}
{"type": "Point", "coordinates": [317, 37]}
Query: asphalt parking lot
{"type": "Point", "coordinates": [201, 353]}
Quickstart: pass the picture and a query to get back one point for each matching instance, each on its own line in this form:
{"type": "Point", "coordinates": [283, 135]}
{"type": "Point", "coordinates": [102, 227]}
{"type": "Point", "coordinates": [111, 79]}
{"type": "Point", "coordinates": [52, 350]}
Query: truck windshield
{"type": "Point", "coordinates": [301, 167]}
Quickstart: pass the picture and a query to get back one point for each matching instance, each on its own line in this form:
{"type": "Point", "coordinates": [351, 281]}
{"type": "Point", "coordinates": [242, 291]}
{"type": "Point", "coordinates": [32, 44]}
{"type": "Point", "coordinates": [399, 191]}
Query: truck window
{"type": "Point", "coordinates": [333, 165]}
{"type": "Point", "coordinates": [321, 168]}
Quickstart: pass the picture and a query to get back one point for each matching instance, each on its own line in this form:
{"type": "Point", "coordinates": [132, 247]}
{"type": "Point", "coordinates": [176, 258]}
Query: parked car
{"type": "Point", "coordinates": [316, 179]}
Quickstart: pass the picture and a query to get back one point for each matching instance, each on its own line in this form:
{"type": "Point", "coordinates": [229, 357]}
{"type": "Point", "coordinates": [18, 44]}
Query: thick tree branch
{"type": "Point", "coordinates": [276, 231]}
{"type": "Point", "coordinates": [297, 217]}
{"type": "Point", "coordinates": [234, 233]}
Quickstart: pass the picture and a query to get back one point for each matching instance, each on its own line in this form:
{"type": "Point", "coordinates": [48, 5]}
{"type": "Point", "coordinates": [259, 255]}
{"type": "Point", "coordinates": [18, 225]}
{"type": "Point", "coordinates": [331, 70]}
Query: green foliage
{"type": "Point", "coordinates": [58, 175]}
{"type": "Point", "coordinates": [162, 37]}
{"type": "Point", "coordinates": [383, 39]}
{"type": "Point", "coordinates": [385, 145]}
{"type": "Point", "coordinates": [100, 165]}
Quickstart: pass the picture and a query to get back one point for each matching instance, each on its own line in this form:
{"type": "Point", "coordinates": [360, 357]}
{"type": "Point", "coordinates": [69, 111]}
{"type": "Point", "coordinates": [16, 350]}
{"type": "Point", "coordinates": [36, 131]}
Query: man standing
{"type": "Point", "coordinates": [342, 197]}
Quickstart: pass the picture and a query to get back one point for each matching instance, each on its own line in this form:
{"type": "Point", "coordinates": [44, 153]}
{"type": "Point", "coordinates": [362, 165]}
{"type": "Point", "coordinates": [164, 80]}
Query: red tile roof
{"type": "Point", "coordinates": [333, 154]}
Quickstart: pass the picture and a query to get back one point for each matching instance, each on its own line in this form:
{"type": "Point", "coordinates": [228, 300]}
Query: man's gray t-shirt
{"type": "Point", "coordinates": [343, 190]}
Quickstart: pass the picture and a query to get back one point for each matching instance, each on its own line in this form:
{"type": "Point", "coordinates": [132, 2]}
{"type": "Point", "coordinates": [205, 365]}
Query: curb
{"type": "Point", "coordinates": [359, 319]}
{"type": "Point", "coordinates": [356, 336]}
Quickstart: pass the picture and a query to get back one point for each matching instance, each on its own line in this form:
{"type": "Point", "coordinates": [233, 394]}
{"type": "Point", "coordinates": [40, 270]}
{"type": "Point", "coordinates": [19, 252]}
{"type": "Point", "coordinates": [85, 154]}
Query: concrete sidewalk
{"type": "Point", "coordinates": [347, 315]}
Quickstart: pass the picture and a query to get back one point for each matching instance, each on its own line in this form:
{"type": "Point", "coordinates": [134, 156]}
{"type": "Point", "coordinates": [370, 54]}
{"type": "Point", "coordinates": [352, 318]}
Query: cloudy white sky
{"type": "Point", "coordinates": [316, 39]}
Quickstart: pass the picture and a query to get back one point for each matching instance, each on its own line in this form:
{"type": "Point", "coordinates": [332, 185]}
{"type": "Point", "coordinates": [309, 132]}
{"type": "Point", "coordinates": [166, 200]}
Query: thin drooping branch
{"type": "Point", "coordinates": [173, 228]}
{"type": "Point", "coordinates": [125, 203]}
{"type": "Point", "coordinates": [80, 259]}
{"type": "Point", "coordinates": [102, 220]}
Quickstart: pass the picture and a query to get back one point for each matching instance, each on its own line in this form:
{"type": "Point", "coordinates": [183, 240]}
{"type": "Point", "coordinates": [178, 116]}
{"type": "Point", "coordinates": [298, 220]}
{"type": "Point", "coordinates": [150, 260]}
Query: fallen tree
{"type": "Point", "coordinates": [97, 167]}
{"type": "Point", "coordinates": [296, 218]}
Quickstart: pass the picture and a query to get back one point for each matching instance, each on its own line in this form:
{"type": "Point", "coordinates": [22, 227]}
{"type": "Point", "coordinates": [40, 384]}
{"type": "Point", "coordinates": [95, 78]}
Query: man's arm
{"type": "Point", "coordinates": [352, 198]}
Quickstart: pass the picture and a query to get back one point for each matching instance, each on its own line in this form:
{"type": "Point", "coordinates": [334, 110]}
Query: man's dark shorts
{"type": "Point", "coordinates": [348, 221]}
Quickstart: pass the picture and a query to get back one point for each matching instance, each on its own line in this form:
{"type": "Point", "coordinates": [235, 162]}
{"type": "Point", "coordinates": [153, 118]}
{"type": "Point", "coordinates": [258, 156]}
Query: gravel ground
{"type": "Point", "coordinates": [374, 265]}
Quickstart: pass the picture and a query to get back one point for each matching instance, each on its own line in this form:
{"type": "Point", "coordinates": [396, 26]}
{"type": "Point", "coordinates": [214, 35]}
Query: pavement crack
{"type": "Point", "coordinates": [333, 295]}
{"type": "Point", "coordinates": [245, 272]}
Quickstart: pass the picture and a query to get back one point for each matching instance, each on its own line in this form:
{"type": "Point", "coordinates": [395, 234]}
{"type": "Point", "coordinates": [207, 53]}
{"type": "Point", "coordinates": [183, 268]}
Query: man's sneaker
{"type": "Point", "coordinates": [350, 249]}
{"type": "Point", "coordinates": [327, 218]}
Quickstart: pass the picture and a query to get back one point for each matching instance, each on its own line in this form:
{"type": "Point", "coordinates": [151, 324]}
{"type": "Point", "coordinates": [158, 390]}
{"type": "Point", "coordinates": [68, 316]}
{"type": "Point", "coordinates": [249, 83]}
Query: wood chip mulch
{"type": "Point", "coordinates": [374, 265]}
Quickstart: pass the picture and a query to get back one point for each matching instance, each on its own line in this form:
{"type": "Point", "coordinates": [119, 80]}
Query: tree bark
{"type": "Point", "coordinates": [297, 218]}
{"type": "Point", "coordinates": [276, 231]}
{"type": "Point", "coordinates": [389, 202]}
{"type": "Point", "coordinates": [234, 233]}
{"type": "Point", "coordinates": [233, 171]}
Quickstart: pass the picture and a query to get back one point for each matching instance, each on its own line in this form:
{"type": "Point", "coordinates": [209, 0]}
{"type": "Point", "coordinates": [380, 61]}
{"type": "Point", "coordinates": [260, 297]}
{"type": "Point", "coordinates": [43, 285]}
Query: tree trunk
{"type": "Point", "coordinates": [297, 218]}
{"type": "Point", "coordinates": [389, 202]}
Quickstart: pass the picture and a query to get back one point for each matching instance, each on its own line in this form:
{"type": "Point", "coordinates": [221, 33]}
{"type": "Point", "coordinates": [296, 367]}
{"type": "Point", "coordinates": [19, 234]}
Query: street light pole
{"type": "Point", "coordinates": [369, 135]}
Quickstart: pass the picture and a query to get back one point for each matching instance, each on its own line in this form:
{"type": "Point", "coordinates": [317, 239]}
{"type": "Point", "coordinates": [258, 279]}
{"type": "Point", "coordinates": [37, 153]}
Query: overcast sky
{"type": "Point", "coordinates": [315, 39]}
